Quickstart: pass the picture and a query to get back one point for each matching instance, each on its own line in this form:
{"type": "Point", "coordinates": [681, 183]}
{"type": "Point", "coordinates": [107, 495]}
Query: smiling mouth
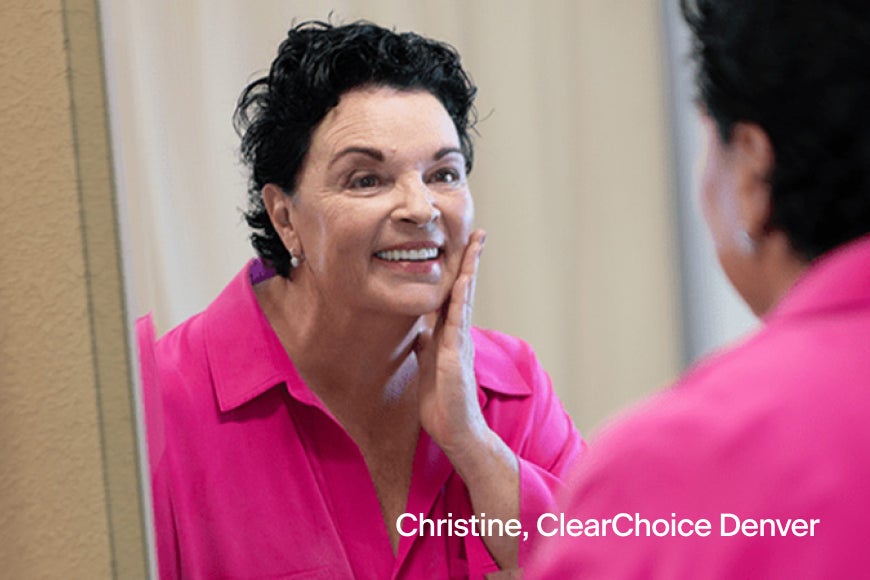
{"type": "Point", "coordinates": [421, 255]}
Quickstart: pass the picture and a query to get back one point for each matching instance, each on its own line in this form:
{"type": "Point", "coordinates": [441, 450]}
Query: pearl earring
{"type": "Point", "coordinates": [745, 242]}
{"type": "Point", "coordinates": [294, 261]}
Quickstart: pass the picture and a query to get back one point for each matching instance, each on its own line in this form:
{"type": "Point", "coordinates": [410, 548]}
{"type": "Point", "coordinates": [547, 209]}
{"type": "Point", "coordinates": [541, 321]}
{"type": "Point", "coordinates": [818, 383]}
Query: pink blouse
{"type": "Point", "coordinates": [253, 477]}
{"type": "Point", "coordinates": [756, 465]}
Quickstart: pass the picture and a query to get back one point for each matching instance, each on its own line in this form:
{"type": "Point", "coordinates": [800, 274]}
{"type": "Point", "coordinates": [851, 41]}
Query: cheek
{"type": "Point", "coordinates": [712, 212]}
{"type": "Point", "coordinates": [328, 233]}
{"type": "Point", "coordinates": [707, 175]}
{"type": "Point", "coordinates": [706, 197]}
{"type": "Point", "coordinates": [458, 212]}
{"type": "Point", "coordinates": [714, 197]}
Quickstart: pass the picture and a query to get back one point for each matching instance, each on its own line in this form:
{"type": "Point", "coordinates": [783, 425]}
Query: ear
{"type": "Point", "coordinates": [754, 157]}
{"type": "Point", "coordinates": [279, 206]}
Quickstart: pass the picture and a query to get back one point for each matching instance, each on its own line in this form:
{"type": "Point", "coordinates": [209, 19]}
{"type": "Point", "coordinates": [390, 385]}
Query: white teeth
{"type": "Point", "coordinates": [408, 255]}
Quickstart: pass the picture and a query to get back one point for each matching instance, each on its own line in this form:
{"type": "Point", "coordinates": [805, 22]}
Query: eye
{"type": "Point", "coordinates": [367, 181]}
{"type": "Point", "coordinates": [448, 175]}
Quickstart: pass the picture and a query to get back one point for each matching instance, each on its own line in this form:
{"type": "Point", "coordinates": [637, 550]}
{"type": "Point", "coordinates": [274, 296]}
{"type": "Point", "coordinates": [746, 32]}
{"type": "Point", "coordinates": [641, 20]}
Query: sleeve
{"type": "Point", "coordinates": [633, 501]}
{"type": "Point", "coordinates": [551, 444]}
{"type": "Point", "coordinates": [599, 488]}
{"type": "Point", "coordinates": [164, 520]}
{"type": "Point", "coordinates": [166, 536]}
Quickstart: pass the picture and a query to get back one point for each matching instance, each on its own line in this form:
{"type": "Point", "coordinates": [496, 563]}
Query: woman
{"type": "Point", "coordinates": [755, 464]}
{"type": "Point", "coordinates": [332, 413]}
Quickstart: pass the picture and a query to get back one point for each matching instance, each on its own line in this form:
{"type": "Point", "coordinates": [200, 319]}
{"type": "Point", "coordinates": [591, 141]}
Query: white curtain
{"type": "Point", "coordinates": [572, 177]}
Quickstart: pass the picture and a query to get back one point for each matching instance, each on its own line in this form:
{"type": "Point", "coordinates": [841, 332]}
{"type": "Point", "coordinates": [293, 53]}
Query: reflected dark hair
{"type": "Point", "coordinates": [317, 63]}
{"type": "Point", "coordinates": [799, 69]}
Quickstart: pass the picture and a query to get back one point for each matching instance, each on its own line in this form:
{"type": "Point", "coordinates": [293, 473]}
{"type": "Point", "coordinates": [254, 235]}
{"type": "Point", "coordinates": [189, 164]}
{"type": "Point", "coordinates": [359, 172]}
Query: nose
{"type": "Point", "coordinates": [416, 204]}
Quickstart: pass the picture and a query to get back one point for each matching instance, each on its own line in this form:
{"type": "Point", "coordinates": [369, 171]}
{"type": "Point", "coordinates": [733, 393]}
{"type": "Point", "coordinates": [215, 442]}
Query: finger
{"type": "Point", "coordinates": [459, 309]}
{"type": "Point", "coordinates": [471, 263]}
{"type": "Point", "coordinates": [432, 320]}
{"type": "Point", "coordinates": [471, 256]}
{"type": "Point", "coordinates": [471, 266]}
{"type": "Point", "coordinates": [423, 341]}
{"type": "Point", "coordinates": [459, 292]}
{"type": "Point", "coordinates": [453, 322]}
{"type": "Point", "coordinates": [480, 241]}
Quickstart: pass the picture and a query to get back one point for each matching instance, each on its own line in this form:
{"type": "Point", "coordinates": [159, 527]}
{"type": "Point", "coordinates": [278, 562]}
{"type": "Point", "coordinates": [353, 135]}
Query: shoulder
{"type": "Point", "coordinates": [711, 408]}
{"type": "Point", "coordinates": [520, 404]}
{"type": "Point", "coordinates": [505, 344]}
{"type": "Point", "coordinates": [497, 348]}
{"type": "Point", "coordinates": [169, 370]}
{"type": "Point", "coordinates": [752, 431]}
{"type": "Point", "coordinates": [506, 364]}
{"type": "Point", "coordinates": [182, 349]}
{"type": "Point", "coordinates": [758, 416]}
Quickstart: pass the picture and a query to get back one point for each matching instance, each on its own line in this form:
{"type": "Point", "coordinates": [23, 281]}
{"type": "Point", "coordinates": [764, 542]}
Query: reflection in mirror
{"type": "Point", "coordinates": [577, 263]}
{"type": "Point", "coordinates": [335, 388]}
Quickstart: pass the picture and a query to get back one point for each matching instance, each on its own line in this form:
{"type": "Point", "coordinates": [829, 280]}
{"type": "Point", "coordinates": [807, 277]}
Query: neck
{"type": "Point", "coordinates": [342, 355]}
{"type": "Point", "coordinates": [781, 269]}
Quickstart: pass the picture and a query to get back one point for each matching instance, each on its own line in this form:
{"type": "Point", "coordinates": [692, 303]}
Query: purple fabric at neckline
{"type": "Point", "coordinates": [259, 271]}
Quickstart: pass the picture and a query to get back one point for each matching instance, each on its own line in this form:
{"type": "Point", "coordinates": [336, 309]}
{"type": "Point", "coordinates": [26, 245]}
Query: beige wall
{"type": "Point", "coordinates": [69, 495]}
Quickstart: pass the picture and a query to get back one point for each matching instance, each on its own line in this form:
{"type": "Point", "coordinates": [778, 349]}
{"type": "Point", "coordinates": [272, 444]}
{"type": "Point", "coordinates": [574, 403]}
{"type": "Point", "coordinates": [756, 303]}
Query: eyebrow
{"type": "Point", "coordinates": [377, 155]}
{"type": "Point", "coordinates": [367, 151]}
{"type": "Point", "coordinates": [444, 152]}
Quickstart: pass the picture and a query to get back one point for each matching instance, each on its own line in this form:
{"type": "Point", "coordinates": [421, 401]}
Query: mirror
{"type": "Point", "coordinates": [572, 102]}
{"type": "Point", "coordinates": [575, 261]}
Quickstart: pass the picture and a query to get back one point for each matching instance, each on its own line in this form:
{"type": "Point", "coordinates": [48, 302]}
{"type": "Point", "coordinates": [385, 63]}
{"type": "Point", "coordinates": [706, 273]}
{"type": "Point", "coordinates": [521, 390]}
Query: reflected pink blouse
{"type": "Point", "coordinates": [759, 440]}
{"type": "Point", "coordinates": [254, 478]}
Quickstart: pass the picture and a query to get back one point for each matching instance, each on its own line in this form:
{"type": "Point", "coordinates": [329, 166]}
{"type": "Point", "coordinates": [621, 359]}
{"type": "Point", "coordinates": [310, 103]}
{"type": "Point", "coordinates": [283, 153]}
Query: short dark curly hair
{"type": "Point", "coordinates": [800, 69]}
{"type": "Point", "coordinates": [317, 63]}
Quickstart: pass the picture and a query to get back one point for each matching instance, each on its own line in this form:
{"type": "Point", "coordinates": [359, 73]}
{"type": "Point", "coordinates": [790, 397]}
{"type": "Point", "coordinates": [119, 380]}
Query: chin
{"type": "Point", "coordinates": [415, 303]}
{"type": "Point", "coordinates": [408, 299]}
{"type": "Point", "coordinates": [416, 308]}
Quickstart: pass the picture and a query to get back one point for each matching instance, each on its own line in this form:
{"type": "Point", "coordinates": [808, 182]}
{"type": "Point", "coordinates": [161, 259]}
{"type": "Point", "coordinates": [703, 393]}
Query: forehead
{"type": "Point", "coordinates": [385, 118]}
